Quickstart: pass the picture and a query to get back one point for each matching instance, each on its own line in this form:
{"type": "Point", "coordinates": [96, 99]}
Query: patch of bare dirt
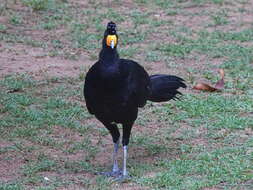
{"type": "Point", "coordinates": [10, 163]}
{"type": "Point", "coordinates": [4, 144]}
{"type": "Point", "coordinates": [66, 137]}
{"type": "Point", "coordinates": [22, 59]}
{"type": "Point", "coordinates": [199, 133]}
{"type": "Point", "coordinates": [3, 19]}
{"type": "Point", "coordinates": [10, 167]}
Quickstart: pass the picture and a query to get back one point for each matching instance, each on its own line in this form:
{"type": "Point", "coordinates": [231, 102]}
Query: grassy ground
{"type": "Point", "coordinates": [48, 139]}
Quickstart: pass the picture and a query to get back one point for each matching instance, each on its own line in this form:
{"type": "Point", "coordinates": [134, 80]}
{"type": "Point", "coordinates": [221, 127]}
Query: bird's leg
{"type": "Point", "coordinates": [115, 167]}
{"type": "Point", "coordinates": [116, 172]}
{"type": "Point", "coordinates": [113, 129]}
{"type": "Point", "coordinates": [124, 160]}
{"type": "Point", "coordinates": [125, 140]}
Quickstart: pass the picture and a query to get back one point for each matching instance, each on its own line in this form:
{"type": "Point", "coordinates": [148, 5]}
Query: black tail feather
{"type": "Point", "coordinates": [164, 87]}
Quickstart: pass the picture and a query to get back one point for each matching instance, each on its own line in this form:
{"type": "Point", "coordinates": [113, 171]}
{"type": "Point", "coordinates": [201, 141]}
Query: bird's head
{"type": "Point", "coordinates": [110, 35]}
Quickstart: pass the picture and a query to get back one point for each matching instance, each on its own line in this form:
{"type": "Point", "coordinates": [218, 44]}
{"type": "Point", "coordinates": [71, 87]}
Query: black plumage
{"type": "Point", "coordinates": [115, 88]}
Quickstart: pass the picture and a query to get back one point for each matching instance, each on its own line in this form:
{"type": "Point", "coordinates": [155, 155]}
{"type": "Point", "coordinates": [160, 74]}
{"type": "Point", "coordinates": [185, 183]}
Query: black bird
{"type": "Point", "coordinates": [115, 88]}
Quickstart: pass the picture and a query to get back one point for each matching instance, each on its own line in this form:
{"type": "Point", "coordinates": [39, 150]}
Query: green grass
{"type": "Point", "coordinates": [15, 19]}
{"type": "Point", "coordinates": [203, 141]}
{"type": "Point", "coordinates": [38, 5]}
{"type": "Point", "coordinates": [227, 167]}
{"type": "Point", "coordinates": [11, 187]}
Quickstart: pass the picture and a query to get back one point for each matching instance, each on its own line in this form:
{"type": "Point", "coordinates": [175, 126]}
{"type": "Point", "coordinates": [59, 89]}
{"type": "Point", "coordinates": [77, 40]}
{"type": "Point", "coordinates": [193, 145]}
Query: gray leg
{"type": "Point", "coordinates": [124, 176]}
{"type": "Point", "coordinates": [113, 129]}
{"type": "Point", "coordinates": [114, 157]}
{"type": "Point", "coordinates": [116, 172]}
{"type": "Point", "coordinates": [125, 140]}
{"type": "Point", "coordinates": [124, 160]}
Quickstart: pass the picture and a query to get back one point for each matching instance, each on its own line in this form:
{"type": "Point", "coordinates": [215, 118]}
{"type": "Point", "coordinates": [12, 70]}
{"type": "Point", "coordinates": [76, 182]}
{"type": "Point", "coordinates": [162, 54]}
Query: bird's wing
{"type": "Point", "coordinates": [89, 88]}
{"type": "Point", "coordinates": [138, 81]}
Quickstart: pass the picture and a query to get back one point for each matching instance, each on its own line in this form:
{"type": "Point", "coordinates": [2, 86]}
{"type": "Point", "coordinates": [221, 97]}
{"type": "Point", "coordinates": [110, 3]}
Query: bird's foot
{"type": "Point", "coordinates": [123, 178]}
{"type": "Point", "coordinates": [111, 174]}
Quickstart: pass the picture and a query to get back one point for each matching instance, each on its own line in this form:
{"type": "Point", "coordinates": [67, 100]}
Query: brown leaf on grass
{"type": "Point", "coordinates": [206, 87]}
{"type": "Point", "coordinates": [220, 84]}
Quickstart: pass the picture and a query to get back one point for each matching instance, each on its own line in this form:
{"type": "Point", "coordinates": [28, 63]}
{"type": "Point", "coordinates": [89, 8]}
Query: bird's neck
{"type": "Point", "coordinates": [109, 63]}
{"type": "Point", "coordinates": [108, 56]}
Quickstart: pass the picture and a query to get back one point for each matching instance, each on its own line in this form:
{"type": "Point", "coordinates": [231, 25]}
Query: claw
{"type": "Point", "coordinates": [122, 178]}
{"type": "Point", "coordinates": [111, 174]}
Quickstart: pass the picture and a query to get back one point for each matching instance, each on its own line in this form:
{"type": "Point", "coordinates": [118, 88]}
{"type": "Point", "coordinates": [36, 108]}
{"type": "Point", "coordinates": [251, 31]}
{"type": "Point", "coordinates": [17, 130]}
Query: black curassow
{"type": "Point", "coordinates": [115, 88]}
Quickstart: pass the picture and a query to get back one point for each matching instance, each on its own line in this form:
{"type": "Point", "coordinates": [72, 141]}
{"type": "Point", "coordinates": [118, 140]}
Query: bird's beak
{"type": "Point", "coordinates": [111, 40]}
{"type": "Point", "coordinates": [112, 44]}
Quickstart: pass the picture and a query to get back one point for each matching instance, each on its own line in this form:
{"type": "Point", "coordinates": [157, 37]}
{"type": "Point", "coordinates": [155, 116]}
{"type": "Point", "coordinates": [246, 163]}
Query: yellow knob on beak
{"type": "Point", "coordinates": [111, 40]}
